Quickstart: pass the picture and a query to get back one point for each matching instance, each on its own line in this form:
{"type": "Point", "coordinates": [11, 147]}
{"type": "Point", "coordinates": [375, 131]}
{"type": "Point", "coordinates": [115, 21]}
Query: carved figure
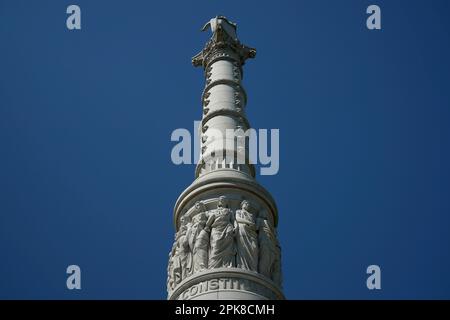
{"type": "Point", "coordinates": [246, 238]}
{"type": "Point", "coordinates": [269, 250]}
{"type": "Point", "coordinates": [222, 250]}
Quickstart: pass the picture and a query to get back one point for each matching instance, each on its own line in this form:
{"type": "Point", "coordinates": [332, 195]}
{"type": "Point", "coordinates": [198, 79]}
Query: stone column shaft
{"type": "Point", "coordinates": [225, 244]}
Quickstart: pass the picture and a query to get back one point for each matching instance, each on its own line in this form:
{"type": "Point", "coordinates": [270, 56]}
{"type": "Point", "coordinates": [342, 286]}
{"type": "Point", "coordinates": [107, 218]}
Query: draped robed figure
{"type": "Point", "coordinates": [246, 238]}
{"type": "Point", "coordinates": [222, 250]}
{"type": "Point", "coordinates": [199, 239]}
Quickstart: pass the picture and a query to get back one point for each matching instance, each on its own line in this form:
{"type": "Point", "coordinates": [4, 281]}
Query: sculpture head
{"type": "Point", "coordinates": [245, 205]}
{"type": "Point", "coordinates": [184, 220]}
{"type": "Point", "coordinates": [200, 206]}
{"type": "Point", "coordinates": [222, 202]}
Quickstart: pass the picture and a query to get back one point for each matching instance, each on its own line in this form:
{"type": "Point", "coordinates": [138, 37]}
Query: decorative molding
{"type": "Point", "coordinates": [224, 273]}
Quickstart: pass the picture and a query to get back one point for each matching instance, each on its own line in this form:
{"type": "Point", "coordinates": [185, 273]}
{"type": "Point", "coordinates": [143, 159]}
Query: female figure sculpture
{"type": "Point", "coordinates": [246, 238]}
{"type": "Point", "coordinates": [199, 239]}
{"type": "Point", "coordinates": [222, 253]}
{"type": "Point", "coordinates": [269, 250]}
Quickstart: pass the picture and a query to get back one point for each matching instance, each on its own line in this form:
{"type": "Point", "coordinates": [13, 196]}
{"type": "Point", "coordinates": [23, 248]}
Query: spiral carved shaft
{"type": "Point", "coordinates": [224, 100]}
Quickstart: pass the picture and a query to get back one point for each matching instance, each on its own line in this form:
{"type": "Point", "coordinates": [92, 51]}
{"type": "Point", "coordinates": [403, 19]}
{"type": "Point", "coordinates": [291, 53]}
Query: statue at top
{"type": "Point", "coordinates": [222, 24]}
{"type": "Point", "coordinates": [224, 34]}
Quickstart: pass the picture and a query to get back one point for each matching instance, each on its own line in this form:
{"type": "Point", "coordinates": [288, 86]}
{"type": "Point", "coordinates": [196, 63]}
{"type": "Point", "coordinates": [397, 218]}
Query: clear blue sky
{"type": "Point", "coordinates": [86, 118]}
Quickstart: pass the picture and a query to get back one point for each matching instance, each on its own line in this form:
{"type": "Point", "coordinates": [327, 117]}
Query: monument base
{"type": "Point", "coordinates": [226, 284]}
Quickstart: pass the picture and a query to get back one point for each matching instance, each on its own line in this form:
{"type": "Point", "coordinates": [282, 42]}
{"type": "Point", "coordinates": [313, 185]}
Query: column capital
{"type": "Point", "coordinates": [223, 44]}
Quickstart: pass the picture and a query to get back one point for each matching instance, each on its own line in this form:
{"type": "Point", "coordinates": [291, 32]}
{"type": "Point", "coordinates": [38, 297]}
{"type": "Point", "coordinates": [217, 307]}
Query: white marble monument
{"type": "Point", "coordinates": [225, 244]}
